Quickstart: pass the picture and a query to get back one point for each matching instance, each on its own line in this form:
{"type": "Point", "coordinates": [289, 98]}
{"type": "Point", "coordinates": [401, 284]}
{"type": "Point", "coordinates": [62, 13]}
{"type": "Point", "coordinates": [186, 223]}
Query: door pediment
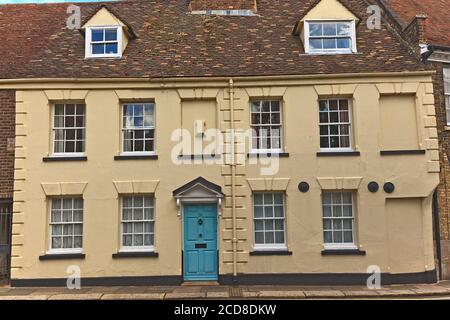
{"type": "Point", "coordinates": [199, 188]}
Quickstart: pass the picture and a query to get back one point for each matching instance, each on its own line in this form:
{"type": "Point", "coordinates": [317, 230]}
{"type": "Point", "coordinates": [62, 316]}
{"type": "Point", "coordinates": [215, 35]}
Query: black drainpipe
{"type": "Point", "coordinates": [437, 232]}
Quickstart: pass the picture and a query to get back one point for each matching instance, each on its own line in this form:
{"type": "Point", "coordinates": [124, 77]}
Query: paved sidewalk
{"type": "Point", "coordinates": [441, 289]}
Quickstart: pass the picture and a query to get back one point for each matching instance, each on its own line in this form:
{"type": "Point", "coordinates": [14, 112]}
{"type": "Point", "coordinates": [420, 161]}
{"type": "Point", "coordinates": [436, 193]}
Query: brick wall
{"type": "Point", "coordinates": [444, 151]}
{"type": "Point", "coordinates": [7, 133]}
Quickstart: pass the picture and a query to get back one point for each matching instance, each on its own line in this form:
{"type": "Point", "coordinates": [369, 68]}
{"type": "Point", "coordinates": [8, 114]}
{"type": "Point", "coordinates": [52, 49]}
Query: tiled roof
{"type": "Point", "coordinates": [437, 24]}
{"type": "Point", "coordinates": [223, 5]}
{"type": "Point", "coordinates": [170, 42]}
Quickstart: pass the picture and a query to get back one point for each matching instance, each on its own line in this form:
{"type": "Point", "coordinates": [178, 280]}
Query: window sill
{"type": "Point", "coordinates": [268, 155]}
{"type": "Point", "coordinates": [401, 152]}
{"type": "Point", "coordinates": [64, 158]}
{"type": "Point", "coordinates": [338, 154]}
{"type": "Point", "coordinates": [137, 157]}
{"type": "Point", "coordinates": [271, 253]}
{"type": "Point", "coordinates": [343, 252]}
{"type": "Point", "coordinates": [199, 156]}
{"type": "Point", "coordinates": [62, 256]}
{"type": "Point", "coordinates": [135, 254]}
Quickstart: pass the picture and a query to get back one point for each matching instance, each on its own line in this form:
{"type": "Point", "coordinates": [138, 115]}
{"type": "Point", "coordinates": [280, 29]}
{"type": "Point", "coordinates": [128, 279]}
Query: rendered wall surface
{"type": "Point", "coordinates": [379, 216]}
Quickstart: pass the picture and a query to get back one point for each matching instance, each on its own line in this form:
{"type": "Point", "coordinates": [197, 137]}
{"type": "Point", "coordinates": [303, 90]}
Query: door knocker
{"type": "Point", "coordinates": [200, 222]}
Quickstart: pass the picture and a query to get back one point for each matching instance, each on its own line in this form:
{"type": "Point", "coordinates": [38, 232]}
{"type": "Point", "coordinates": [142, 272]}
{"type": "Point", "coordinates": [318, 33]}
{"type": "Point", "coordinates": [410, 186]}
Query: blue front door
{"type": "Point", "coordinates": [200, 242]}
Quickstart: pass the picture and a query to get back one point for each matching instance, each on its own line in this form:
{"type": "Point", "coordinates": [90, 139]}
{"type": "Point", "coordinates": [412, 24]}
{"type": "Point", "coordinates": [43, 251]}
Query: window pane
{"type": "Point", "coordinates": [258, 211]}
{"type": "Point", "coordinates": [78, 242]}
{"type": "Point", "coordinates": [268, 198]}
{"type": "Point", "coordinates": [279, 237]}
{"type": "Point", "coordinates": [326, 224]}
{"type": "Point", "coordinates": [328, 238]}
{"type": "Point", "coordinates": [315, 43]}
{"type": "Point", "coordinates": [269, 225]}
{"type": "Point", "coordinates": [57, 230]}
{"type": "Point", "coordinates": [110, 34]}
{"type": "Point", "coordinates": [97, 35]}
{"type": "Point", "coordinates": [278, 211]}
{"type": "Point", "coordinates": [343, 43]}
{"type": "Point", "coordinates": [111, 48]}
{"type": "Point", "coordinates": [127, 240]}
{"type": "Point", "coordinates": [348, 236]}
{"type": "Point", "coordinates": [269, 237]}
{"type": "Point", "coordinates": [56, 243]}
{"type": "Point", "coordinates": [259, 237]}
{"type": "Point", "coordinates": [343, 29]}
{"type": "Point", "coordinates": [67, 242]}
{"type": "Point", "coordinates": [268, 212]}
{"type": "Point", "coordinates": [329, 29]}
{"type": "Point", "coordinates": [315, 29]}
{"type": "Point", "coordinates": [256, 106]}
{"type": "Point", "coordinates": [59, 121]}
{"type": "Point", "coordinates": [98, 49]}
{"type": "Point", "coordinates": [138, 240]}
{"type": "Point", "coordinates": [327, 211]}
{"type": "Point", "coordinates": [259, 225]}
{"type": "Point", "coordinates": [337, 237]}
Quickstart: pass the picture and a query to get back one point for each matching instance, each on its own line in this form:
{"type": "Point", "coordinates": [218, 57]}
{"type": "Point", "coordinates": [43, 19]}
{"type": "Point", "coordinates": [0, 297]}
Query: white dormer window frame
{"type": "Point", "coordinates": [90, 42]}
{"type": "Point", "coordinates": [351, 35]}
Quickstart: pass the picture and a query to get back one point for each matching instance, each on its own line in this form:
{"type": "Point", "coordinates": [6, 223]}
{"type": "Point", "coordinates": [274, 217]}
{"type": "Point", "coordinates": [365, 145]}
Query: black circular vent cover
{"type": "Point", "coordinates": [389, 187]}
{"type": "Point", "coordinates": [303, 186]}
{"type": "Point", "coordinates": [373, 186]}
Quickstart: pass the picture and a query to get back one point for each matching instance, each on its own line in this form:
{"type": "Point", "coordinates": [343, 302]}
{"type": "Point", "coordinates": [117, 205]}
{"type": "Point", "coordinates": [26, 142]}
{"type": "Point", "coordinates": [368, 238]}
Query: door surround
{"type": "Point", "coordinates": [198, 191]}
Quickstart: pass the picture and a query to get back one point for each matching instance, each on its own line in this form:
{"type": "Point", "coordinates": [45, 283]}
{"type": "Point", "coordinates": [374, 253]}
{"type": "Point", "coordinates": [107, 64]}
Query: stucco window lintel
{"type": "Point", "coordinates": [63, 188]}
{"type": "Point", "coordinates": [339, 183]}
{"type": "Point", "coordinates": [269, 184]}
{"type": "Point", "coordinates": [136, 187]}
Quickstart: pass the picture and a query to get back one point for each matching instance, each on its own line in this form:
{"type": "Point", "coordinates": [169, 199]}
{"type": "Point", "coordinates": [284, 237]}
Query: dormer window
{"type": "Point", "coordinates": [332, 37]}
{"type": "Point", "coordinates": [104, 42]}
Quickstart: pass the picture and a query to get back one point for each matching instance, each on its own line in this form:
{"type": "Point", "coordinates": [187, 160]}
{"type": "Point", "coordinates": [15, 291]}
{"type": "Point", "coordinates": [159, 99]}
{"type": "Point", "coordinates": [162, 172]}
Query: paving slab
{"type": "Point", "coordinates": [361, 293]}
{"type": "Point", "coordinates": [395, 293]}
{"type": "Point", "coordinates": [80, 296]}
{"type": "Point", "coordinates": [133, 296]}
{"type": "Point", "coordinates": [250, 294]}
{"type": "Point", "coordinates": [324, 294]}
{"type": "Point", "coordinates": [185, 295]}
{"type": "Point", "coordinates": [217, 295]}
{"type": "Point", "coordinates": [130, 290]}
{"type": "Point", "coordinates": [291, 294]}
{"type": "Point", "coordinates": [25, 297]}
{"type": "Point", "coordinates": [430, 290]}
{"type": "Point", "coordinates": [187, 289]}
{"type": "Point", "coordinates": [444, 283]}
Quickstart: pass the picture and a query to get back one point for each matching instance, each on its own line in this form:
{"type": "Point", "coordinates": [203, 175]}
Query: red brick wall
{"type": "Point", "coordinates": [444, 149]}
{"type": "Point", "coordinates": [7, 133]}
{"type": "Point", "coordinates": [444, 186]}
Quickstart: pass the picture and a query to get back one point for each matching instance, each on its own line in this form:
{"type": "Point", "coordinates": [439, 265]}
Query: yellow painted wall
{"type": "Point", "coordinates": [379, 215]}
{"type": "Point", "coordinates": [329, 10]}
{"type": "Point", "coordinates": [398, 113]}
{"type": "Point", "coordinates": [198, 110]}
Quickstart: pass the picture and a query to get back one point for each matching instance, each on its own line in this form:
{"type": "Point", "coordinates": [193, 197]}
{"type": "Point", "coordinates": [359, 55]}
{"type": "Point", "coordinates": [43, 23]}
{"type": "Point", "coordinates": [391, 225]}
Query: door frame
{"type": "Point", "coordinates": [200, 201]}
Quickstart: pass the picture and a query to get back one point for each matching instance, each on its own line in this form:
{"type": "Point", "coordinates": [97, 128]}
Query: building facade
{"type": "Point", "coordinates": [267, 143]}
{"type": "Point", "coordinates": [427, 29]}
